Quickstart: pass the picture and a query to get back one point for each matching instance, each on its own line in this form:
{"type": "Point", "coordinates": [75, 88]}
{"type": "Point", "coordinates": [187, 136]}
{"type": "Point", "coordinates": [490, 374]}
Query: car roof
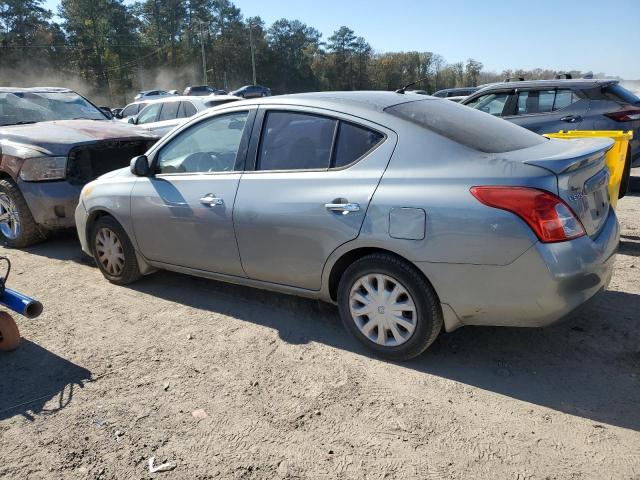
{"type": "Point", "coordinates": [35, 90]}
{"type": "Point", "coordinates": [558, 82]}
{"type": "Point", "coordinates": [375, 101]}
{"type": "Point", "coordinates": [191, 98]}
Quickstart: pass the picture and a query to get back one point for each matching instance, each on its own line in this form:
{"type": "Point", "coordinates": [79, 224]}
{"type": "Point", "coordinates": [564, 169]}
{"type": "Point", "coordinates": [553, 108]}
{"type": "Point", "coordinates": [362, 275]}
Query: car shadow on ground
{"type": "Point", "coordinates": [588, 366]}
{"type": "Point", "coordinates": [31, 376]}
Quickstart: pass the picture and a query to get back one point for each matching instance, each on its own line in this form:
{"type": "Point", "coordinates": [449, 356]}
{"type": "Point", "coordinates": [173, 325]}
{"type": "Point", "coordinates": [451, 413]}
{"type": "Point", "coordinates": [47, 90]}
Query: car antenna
{"type": "Point", "coordinates": [403, 89]}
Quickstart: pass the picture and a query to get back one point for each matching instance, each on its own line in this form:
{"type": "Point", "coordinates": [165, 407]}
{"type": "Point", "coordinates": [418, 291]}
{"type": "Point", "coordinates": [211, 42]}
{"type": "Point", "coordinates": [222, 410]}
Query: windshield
{"type": "Point", "coordinates": [30, 107]}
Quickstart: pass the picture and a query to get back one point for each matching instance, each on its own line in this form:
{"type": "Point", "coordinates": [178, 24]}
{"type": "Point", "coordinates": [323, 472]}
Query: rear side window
{"type": "Point", "coordinates": [186, 110]}
{"type": "Point", "coordinates": [466, 126]}
{"type": "Point", "coordinates": [296, 141]}
{"type": "Point", "coordinates": [544, 101]}
{"type": "Point", "coordinates": [169, 111]}
{"type": "Point", "coordinates": [353, 143]}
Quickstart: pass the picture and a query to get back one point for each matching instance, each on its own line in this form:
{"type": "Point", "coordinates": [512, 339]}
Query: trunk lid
{"type": "Point", "coordinates": [583, 179]}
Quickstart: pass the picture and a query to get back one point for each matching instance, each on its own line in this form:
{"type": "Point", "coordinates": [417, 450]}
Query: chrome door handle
{"type": "Point", "coordinates": [211, 200]}
{"type": "Point", "coordinates": [343, 208]}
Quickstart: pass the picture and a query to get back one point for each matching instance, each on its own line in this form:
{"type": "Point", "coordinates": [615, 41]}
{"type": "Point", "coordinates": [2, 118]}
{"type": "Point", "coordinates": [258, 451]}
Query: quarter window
{"type": "Point", "coordinates": [353, 143]}
{"type": "Point", "coordinates": [209, 146]}
{"type": "Point", "coordinates": [296, 141]}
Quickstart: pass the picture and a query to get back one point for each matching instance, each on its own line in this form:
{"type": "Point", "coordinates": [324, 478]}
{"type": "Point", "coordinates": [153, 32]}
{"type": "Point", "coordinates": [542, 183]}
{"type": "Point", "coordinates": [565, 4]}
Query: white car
{"type": "Point", "coordinates": [152, 95]}
{"type": "Point", "coordinates": [161, 116]}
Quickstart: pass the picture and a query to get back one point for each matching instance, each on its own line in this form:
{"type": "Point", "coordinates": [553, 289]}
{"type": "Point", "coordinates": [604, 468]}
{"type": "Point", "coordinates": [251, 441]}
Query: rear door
{"type": "Point", "coordinates": [548, 110]}
{"type": "Point", "coordinates": [308, 190]}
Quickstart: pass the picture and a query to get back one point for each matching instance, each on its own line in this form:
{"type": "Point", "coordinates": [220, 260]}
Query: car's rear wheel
{"type": "Point", "coordinates": [389, 306]}
{"type": "Point", "coordinates": [113, 252]}
{"type": "Point", "coordinates": [17, 227]}
{"type": "Point", "coordinates": [9, 333]}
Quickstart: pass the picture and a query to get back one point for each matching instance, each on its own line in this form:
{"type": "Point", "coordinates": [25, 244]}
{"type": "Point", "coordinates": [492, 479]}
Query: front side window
{"type": "Point", "coordinates": [149, 114]}
{"type": "Point", "coordinates": [130, 110]}
{"type": "Point", "coordinates": [491, 103]}
{"type": "Point", "coordinates": [296, 141]}
{"type": "Point", "coordinates": [209, 146]}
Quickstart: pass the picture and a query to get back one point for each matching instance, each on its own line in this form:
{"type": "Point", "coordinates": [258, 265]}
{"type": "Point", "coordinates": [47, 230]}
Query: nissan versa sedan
{"type": "Point", "coordinates": [412, 213]}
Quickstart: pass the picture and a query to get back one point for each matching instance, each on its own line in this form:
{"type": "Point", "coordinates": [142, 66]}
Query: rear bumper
{"type": "Point", "coordinates": [52, 204]}
{"type": "Point", "coordinates": [542, 286]}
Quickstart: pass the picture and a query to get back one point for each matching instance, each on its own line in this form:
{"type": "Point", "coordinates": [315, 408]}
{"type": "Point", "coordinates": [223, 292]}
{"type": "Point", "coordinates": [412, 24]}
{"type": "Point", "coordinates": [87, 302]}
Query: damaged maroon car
{"type": "Point", "coordinates": [52, 142]}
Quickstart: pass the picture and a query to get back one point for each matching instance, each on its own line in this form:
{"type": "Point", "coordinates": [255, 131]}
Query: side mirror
{"type": "Point", "coordinates": [107, 112]}
{"type": "Point", "coordinates": [132, 120]}
{"type": "Point", "coordinates": [140, 166]}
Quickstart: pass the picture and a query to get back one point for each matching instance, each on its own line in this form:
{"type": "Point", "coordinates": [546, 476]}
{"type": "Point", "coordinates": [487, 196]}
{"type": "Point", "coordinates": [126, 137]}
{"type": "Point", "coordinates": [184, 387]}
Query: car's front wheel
{"type": "Point", "coordinates": [389, 306]}
{"type": "Point", "coordinates": [113, 251]}
{"type": "Point", "coordinates": [17, 227]}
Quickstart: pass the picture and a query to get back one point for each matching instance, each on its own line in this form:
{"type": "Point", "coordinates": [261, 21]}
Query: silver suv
{"type": "Point", "coordinates": [410, 212]}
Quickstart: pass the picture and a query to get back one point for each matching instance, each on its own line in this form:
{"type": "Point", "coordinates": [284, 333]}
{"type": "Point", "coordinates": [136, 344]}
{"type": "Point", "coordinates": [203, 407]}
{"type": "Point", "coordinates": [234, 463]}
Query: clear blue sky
{"type": "Point", "coordinates": [597, 35]}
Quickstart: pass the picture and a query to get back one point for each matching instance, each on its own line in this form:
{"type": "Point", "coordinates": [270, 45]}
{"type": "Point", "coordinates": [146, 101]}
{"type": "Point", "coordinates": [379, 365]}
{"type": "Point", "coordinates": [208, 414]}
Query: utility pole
{"type": "Point", "coordinates": [253, 56]}
{"type": "Point", "coordinates": [204, 58]}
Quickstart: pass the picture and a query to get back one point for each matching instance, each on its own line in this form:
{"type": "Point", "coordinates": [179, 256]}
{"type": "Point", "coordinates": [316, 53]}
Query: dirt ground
{"type": "Point", "coordinates": [109, 376]}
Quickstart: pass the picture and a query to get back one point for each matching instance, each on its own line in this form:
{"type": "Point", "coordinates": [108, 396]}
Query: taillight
{"type": "Point", "coordinates": [628, 115]}
{"type": "Point", "coordinates": [551, 219]}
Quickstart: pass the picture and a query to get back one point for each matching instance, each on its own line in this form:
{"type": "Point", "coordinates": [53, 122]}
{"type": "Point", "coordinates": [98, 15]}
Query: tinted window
{"type": "Point", "coordinates": [169, 111]}
{"type": "Point", "coordinates": [353, 143]}
{"type": "Point", "coordinates": [492, 103]}
{"type": "Point", "coordinates": [186, 110]}
{"type": "Point", "coordinates": [466, 126]}
{"type": "Point", "coordinates": [295, 141]}
{"type": "Point", "coordinates": [564, 98]}
{"type": "Point", "coordinates": [544, 101]}
{"type": "Point", "coordinates": [209, 146]}
{"type": "Point", "coordinates": [130, 110]}
{"type": "Point", "coordinates": [617, 93]}
{"type": "Point", "coordinates": [149, 114]}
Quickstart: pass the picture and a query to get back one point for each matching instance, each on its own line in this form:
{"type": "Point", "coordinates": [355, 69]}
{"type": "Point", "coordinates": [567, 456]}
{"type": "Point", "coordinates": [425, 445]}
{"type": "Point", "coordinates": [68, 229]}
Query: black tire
{"type": "Point", "coordinates": [129, 271]}
{"type": "Point", "coordinates": [626, 176]}
{"type": "Point", "coordinates": [29, 233]}
{"type": "Point", "coordinates": [428, 310]}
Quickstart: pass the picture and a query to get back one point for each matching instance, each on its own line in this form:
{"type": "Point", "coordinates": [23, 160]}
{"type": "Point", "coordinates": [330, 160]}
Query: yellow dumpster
{"type": "Point", "coordinates": [615, 159]}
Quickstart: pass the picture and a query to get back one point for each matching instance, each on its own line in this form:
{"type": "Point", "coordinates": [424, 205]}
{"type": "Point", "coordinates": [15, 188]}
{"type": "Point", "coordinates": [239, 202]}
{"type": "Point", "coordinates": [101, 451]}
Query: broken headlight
{"type": "Point", "coordinates": [43, 168]}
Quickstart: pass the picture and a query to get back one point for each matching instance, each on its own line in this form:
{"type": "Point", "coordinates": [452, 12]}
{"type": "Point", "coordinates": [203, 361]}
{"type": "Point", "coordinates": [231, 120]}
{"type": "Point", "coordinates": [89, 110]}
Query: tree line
{"type": "Point", "coordinates": [112, 50]}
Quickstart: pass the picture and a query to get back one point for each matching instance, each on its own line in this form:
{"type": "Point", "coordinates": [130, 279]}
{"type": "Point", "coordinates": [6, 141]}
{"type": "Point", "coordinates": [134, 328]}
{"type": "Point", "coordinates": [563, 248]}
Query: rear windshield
{"type": "Point", "coordinates": [618, 92]}
{"type": "Point", "coordinates": [467, 126]}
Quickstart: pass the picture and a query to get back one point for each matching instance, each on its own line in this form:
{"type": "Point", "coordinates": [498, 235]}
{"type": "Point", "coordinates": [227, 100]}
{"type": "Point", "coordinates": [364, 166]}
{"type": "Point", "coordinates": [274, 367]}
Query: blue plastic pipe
{"type": "Point", "coordinates": [20, 303]}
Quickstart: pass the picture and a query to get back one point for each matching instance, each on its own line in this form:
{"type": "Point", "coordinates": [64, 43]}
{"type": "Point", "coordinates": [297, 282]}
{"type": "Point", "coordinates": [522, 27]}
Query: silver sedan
{"type": "Point", "coordinates": [412, 213]}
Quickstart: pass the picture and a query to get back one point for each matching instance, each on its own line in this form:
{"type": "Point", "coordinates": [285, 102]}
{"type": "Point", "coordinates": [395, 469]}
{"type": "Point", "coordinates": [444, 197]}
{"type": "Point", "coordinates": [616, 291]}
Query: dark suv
{"type": "Point", "coordinates": [547, 106]}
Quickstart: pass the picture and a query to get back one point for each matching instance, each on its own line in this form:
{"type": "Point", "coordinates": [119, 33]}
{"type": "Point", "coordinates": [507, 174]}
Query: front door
{"type": "Point", "coordinates": [183, 214]}
{"type": "Point", "coordinates": [314, 175]}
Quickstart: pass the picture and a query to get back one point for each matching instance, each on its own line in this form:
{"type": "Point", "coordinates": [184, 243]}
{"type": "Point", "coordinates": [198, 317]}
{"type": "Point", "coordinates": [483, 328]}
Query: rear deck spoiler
{"type": "Point", "coordinates": [583, 152]}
